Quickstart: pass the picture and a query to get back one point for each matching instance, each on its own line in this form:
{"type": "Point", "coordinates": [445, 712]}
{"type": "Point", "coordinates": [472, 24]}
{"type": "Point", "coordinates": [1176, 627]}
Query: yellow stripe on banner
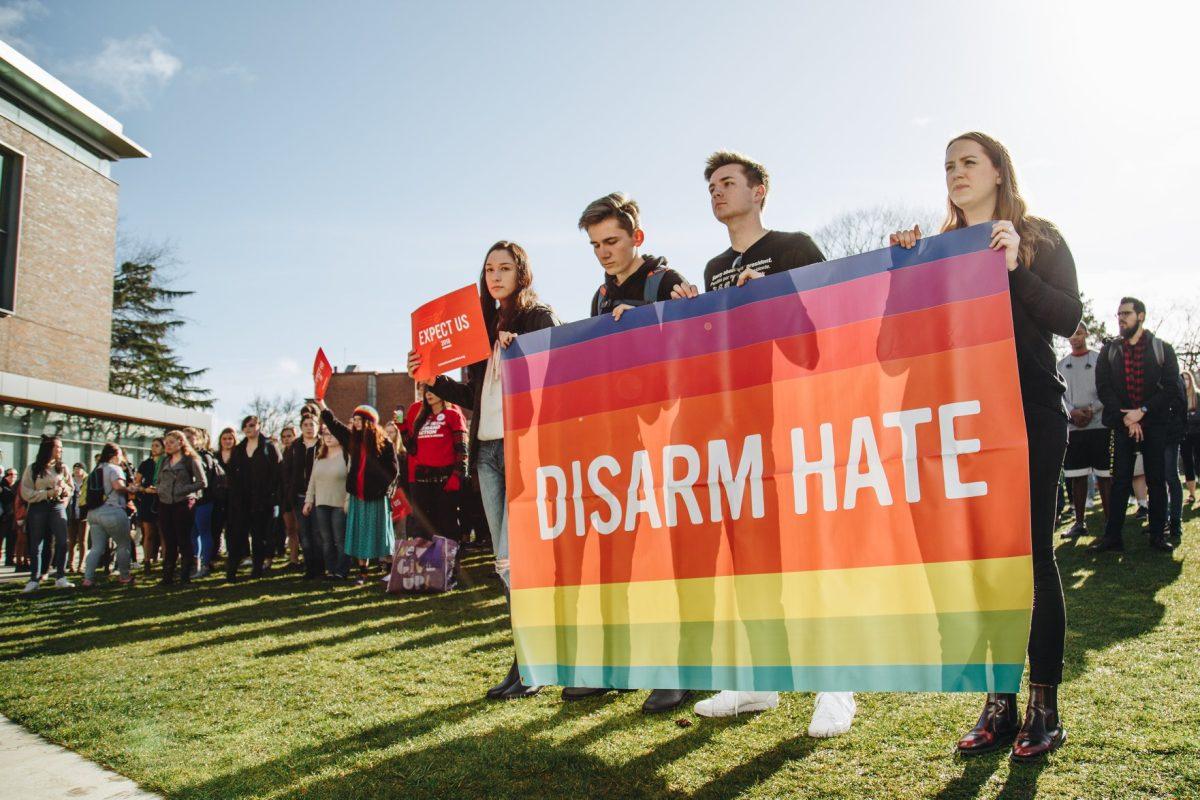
{"type": "Point", "coordinates": [997, 584]}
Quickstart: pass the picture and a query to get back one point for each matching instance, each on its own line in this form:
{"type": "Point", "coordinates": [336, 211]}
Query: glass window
{"type": "Point", "coordinates": [22, 427]}
{"type": "Point", "coordinates": [10, 208]}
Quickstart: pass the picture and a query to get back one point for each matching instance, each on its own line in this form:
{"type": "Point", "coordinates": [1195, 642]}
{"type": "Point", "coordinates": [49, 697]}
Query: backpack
{"type": "Point", "coordinates": [94, 495]}
{"type": "Point", "coordinates": [214, 471]}
{"type": "Point", "coordinates": [605, 304]}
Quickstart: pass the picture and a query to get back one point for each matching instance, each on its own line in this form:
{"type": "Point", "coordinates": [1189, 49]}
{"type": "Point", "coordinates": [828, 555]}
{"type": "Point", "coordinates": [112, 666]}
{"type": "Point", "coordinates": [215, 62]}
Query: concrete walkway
{"type": "Point", "coordinates": [34, 769]}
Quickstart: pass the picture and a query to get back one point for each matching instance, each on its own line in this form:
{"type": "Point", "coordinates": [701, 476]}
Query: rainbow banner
{"type": "Point", "coordinates": [816, 481]}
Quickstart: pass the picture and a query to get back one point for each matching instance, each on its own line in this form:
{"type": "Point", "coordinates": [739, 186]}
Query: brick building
{"type": "Point", "coordinates": [386, 391]}
{"type": "Point", "coordinates": [58, 225]}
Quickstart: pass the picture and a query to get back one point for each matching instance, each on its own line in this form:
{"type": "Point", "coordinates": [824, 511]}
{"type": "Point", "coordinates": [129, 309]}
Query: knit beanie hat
{"type": "Point", "coordinates": [367, 412]}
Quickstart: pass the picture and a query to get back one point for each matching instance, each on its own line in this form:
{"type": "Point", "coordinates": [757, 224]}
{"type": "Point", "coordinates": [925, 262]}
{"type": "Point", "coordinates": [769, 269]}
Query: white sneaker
{"type": "Point", "coordinates": [729, 703]}
{"type": "Point", "coordinates": [832, 714]}
{"type": "Point", "coordinates": [63, 583]}
{"type": "Point", "coordinates": [30, 587]}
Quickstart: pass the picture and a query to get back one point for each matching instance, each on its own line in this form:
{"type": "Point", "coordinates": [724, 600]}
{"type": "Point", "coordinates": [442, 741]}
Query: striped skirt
{"type": "Point", "coordinates": [369, 528]}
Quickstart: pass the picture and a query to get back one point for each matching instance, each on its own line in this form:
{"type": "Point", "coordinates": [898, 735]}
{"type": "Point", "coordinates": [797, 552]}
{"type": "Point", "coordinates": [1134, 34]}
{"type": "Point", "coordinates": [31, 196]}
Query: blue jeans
{"type": "Point", "coordinates": [46, 525]}
{"type": "Point", "coordinates": [311, 543]}
{"type": "Point", "coordinates": [104, 523]}
{"type": "Point", "coordinates": [331, 523]}
{"type": "Point", "coordinates": [489, 468]}
{"type": "Point", "coordinates": [202, 516]}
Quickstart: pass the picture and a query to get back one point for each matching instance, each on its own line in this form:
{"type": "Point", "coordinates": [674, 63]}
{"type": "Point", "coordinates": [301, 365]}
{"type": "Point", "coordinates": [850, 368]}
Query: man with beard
{"type": "Point", "coordinates": [1137, 378]}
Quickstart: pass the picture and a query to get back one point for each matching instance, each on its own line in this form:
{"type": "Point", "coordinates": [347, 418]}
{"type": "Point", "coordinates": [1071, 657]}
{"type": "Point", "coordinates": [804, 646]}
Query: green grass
{"type": "Point", "coordinates": [281, 689]}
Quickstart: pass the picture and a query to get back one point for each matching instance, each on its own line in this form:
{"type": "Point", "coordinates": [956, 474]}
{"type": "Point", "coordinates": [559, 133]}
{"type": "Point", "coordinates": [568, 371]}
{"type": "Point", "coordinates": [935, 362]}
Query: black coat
{"type": "Point", "coordinates": [254, 480]}
{"type": "Point", "coordinates": [467, 393]}
{"type": "Point", "coordinates": [1163, 385]}
{"type": "Point", "coordinates": [297, 467]}
{"type": "Point", "coordinates": [380, 471]}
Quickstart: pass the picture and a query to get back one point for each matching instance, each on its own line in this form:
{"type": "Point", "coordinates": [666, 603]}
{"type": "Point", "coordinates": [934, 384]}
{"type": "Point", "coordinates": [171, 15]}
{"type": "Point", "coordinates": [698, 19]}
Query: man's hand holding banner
{"type": "Point", "coordinates": [817, 481]}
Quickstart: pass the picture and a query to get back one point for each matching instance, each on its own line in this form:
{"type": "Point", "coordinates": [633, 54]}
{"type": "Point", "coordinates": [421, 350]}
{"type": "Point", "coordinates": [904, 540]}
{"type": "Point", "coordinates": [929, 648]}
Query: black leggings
{"type": "Point", "coordinates": [1046, 430]}
{"type": "Point", "coordinates": [1189, 451]}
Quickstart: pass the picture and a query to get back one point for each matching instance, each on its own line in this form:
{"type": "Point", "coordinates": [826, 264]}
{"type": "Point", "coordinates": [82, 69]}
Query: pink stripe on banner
{"type": "Point", "coordinates": [965, 277]}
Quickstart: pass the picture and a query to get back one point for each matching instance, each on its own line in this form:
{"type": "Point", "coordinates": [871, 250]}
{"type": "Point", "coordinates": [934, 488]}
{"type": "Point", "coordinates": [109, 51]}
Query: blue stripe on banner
{"type": "Point", "coordinates": [814, 276]}
{"type": "Point", "coordinates": [1005, 678]}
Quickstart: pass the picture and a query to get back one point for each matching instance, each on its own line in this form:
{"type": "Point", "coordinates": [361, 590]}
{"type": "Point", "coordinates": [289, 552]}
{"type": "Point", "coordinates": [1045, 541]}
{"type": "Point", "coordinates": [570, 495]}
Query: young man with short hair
{"type": "Point", "coordinates": [254, 479]}
{"type": "Point", "coordinates": [1089, 441]}
{"type": "Point", "coordinates": [737, 190]}
{"type": "Point", "coordinates": [631, 279]}
{"type": "Point", "coordinates": [1137, 378]}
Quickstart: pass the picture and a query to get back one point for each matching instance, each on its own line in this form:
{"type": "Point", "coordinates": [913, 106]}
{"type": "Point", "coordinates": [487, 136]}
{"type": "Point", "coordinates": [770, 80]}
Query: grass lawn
{"type": "Point", "coordinates": [281, 688]}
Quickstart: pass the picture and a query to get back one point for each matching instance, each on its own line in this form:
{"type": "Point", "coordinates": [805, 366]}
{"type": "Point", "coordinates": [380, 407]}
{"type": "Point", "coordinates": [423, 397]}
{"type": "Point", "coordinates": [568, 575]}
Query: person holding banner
{"type": "Point", "coordinates": [631, 279]}
{"type": "Point", "coordinates": [371, 469]}
{"type": "Point", "coordinates": [737, 190]}
{"type": "Point", "coordinates": [510, 308]}
{"type": "Point", "coordinates": [982, 187]}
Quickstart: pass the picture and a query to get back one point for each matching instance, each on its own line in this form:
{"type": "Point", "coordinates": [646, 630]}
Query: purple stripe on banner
{"type": "Point", "coordinates": [935, 283]}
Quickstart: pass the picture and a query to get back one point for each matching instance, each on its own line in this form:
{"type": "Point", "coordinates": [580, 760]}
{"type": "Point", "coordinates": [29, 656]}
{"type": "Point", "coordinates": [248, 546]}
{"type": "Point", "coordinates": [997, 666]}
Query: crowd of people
{"type": "Point", "coordinates": [333, 495]}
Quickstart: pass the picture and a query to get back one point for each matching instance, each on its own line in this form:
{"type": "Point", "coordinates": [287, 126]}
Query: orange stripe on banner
{"type": "Point", "coordinates": [962, 324]}
{"type": "Point", "coordinates": [935, 528]}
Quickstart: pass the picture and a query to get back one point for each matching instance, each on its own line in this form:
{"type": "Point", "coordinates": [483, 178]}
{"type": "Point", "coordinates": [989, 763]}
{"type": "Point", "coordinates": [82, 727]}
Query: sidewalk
{"type": "Point", "coordinates": [34, 769]}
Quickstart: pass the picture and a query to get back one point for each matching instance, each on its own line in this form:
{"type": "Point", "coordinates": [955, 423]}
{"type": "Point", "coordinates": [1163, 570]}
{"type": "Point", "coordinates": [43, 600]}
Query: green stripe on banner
{"type": "Point", "coordinates": [967, 637]}
{"type": "Point", "coordinates": [853, 677]}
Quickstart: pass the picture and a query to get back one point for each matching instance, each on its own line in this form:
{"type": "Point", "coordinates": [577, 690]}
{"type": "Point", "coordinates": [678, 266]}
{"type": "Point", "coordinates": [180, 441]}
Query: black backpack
{"type": "Point", "coordinates": [94, 496]}
{"type": "Point", "coordinates": [214, 471]}
{"type": "Point", "coordinates": [605, 304]}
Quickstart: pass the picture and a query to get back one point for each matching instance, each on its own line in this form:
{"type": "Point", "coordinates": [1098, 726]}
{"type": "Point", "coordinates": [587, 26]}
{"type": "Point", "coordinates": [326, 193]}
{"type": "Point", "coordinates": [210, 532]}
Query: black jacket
{"type": "Point", "coordinates": [381, 470]}
{"type": "Point", "coordinates": [254, 480]}
{"type": "Point", "coordinates": [297, 467]}
{"type": "Point", "coordinates": [467, 393]}
{"type": "Point", "coordinates": [1162, 383]}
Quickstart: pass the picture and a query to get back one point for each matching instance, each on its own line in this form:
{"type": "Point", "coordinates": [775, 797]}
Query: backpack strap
{"type": "Point", "coordinates": [1157, 346]}
{"type": "Point", "coordinates": [653, 282]}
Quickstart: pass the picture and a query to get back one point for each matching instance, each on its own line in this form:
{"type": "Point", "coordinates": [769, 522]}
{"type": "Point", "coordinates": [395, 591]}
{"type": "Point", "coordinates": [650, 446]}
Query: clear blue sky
{"type": "Point", "coordinates": [323, 171]}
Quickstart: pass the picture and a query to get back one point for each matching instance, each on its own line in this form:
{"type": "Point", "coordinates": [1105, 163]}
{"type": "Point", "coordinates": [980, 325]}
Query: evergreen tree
{"type": "Point", "coordinates": [143, 362]}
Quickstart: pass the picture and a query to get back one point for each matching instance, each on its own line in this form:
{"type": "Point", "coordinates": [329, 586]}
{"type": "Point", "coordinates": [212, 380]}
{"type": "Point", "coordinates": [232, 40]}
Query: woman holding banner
{"type": "Point", "coordinates": [982, 187]}
{"type": "Point", "coordinates": [371, 469]}
{"type": "Point", "coordinates": [510, 308]}
{"type": "Point", "coordinates": [437, 447]}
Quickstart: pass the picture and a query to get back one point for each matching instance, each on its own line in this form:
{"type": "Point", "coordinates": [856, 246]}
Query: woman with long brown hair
{"type": "Point", "coordinates": [1190, 447]}
{"type": "Point", "coordinates": [371, 470]}
{"type": "Point", "coordinates": [181, 479]}
{"type": "Point", "coordinates": [982, 189]}
{"type": "Point", "coordinates": [146, 504]}
{"type": "Point", "coordinates": [510, 308]}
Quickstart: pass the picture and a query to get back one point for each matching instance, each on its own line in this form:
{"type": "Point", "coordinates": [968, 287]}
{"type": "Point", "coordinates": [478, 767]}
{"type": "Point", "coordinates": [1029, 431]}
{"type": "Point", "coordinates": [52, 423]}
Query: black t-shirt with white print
{"type": "Point", "coordinates": [775, 252]}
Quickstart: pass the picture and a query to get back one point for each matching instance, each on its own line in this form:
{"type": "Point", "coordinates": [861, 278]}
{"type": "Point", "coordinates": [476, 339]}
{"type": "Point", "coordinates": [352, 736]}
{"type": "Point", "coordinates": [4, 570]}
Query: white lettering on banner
{"type": "Point", "coordinates": [681, 471]}
{"type": "Point", "coordinates": [441, 330]}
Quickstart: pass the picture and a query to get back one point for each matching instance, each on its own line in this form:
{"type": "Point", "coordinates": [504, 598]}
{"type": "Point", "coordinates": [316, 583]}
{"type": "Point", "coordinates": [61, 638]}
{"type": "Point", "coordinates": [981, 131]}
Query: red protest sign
{"type": "Point", "coordinates": [448, 333]}
{"type": "Point", "coordinates": [322, 372]}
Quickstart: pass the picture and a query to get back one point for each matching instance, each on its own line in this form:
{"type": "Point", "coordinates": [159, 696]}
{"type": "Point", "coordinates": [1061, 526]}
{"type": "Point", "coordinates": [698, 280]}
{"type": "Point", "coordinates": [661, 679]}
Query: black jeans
{"type": "Point", "coordinates": [435, 511]}
{"type": "Point", "coordinates": [249, 530]}
{"type": "Point", "coordinates": [1190, 452]}
{"type": "Point", "coordinates": [1153, 447]}
{"type": "Point", "coordinates": [175, 528]}
{"type": "Point", "coordinates": [1174, 488]}
{"type": "Point", "coordinates": [1046, 429]}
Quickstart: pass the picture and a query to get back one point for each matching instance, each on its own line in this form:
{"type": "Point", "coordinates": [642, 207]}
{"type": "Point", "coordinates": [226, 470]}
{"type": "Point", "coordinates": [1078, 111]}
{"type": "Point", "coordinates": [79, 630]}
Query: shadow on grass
{"type": "Point", "coordinates": [507, 761]}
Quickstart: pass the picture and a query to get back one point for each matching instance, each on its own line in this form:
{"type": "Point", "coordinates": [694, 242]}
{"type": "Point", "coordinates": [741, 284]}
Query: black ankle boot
{"type": "Point", "coordinates": [996, 728]}
{"type": "Point", "coordinates": [665, 700]}
{"type": "Point", "coordinates": [1042, 732]}
{"type": "Point", "coordinates": [513, 676]}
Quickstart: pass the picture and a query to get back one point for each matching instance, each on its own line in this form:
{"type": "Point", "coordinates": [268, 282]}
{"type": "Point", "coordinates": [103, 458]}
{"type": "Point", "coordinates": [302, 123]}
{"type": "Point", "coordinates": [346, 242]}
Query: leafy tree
{"type": "Point", "coordinates": [143, 362]}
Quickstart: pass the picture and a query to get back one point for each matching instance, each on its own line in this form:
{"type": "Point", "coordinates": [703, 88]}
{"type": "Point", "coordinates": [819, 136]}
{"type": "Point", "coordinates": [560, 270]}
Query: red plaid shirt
{"type": "Point", "coordinates": [1135, 370]}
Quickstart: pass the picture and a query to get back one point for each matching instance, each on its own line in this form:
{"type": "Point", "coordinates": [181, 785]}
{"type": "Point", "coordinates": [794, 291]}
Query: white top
{"type": "Point", "coordinates": [491, 402]}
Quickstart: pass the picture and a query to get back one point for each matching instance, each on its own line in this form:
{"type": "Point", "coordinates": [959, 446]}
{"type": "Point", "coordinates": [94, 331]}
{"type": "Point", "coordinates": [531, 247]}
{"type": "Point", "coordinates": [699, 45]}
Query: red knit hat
{"type": "Point", "coordinates": [367, 412]}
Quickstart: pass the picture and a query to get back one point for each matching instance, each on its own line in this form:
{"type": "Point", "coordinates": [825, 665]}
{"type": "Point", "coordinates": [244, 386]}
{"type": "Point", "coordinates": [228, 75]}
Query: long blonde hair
{"type": "Point", "coordinates": [1009, 203]}
{"type": "Point", "coordinates": [1189, 383]}
{"type": "Point", "coordinates": [185, 447]}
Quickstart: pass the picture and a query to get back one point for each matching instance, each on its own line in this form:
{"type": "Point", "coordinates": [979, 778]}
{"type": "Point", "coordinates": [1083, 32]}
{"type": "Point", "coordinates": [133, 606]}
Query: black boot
{"type": "Point", "coordinates": [516, 690]}
{"type": "Point", "coordinates": [996, 728]}
{"type": "Point", "coordinates": [665, 700]}
{"type": "Point", "coordinates": [572, 693]}
{"type": "Point", "coordinates": [1042, 732]}
{"type": "Point", "coordinates": [513, 676]}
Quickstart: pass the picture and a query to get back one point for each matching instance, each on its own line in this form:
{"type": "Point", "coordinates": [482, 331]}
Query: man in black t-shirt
{"type": "Point", "coordinates": [737, 190]}
{"type": "Point", "coordinates": [614, 230]}
{"type": "Point", "coordinates": [631, 279]}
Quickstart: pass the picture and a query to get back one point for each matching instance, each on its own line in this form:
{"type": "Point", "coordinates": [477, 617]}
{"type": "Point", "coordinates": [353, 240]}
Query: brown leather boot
{"type": "Point", "coordinates": [1042, 732]}
{"type": "Point", "coordinates": [996, 728]}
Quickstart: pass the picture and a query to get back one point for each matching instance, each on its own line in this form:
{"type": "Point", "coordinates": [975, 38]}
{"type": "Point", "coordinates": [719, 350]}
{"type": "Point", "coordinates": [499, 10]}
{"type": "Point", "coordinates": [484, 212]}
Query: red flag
{"type": "Point", "coordinates": [449, 333]}
{"type": "Point", "coordinates": [322, 372]}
